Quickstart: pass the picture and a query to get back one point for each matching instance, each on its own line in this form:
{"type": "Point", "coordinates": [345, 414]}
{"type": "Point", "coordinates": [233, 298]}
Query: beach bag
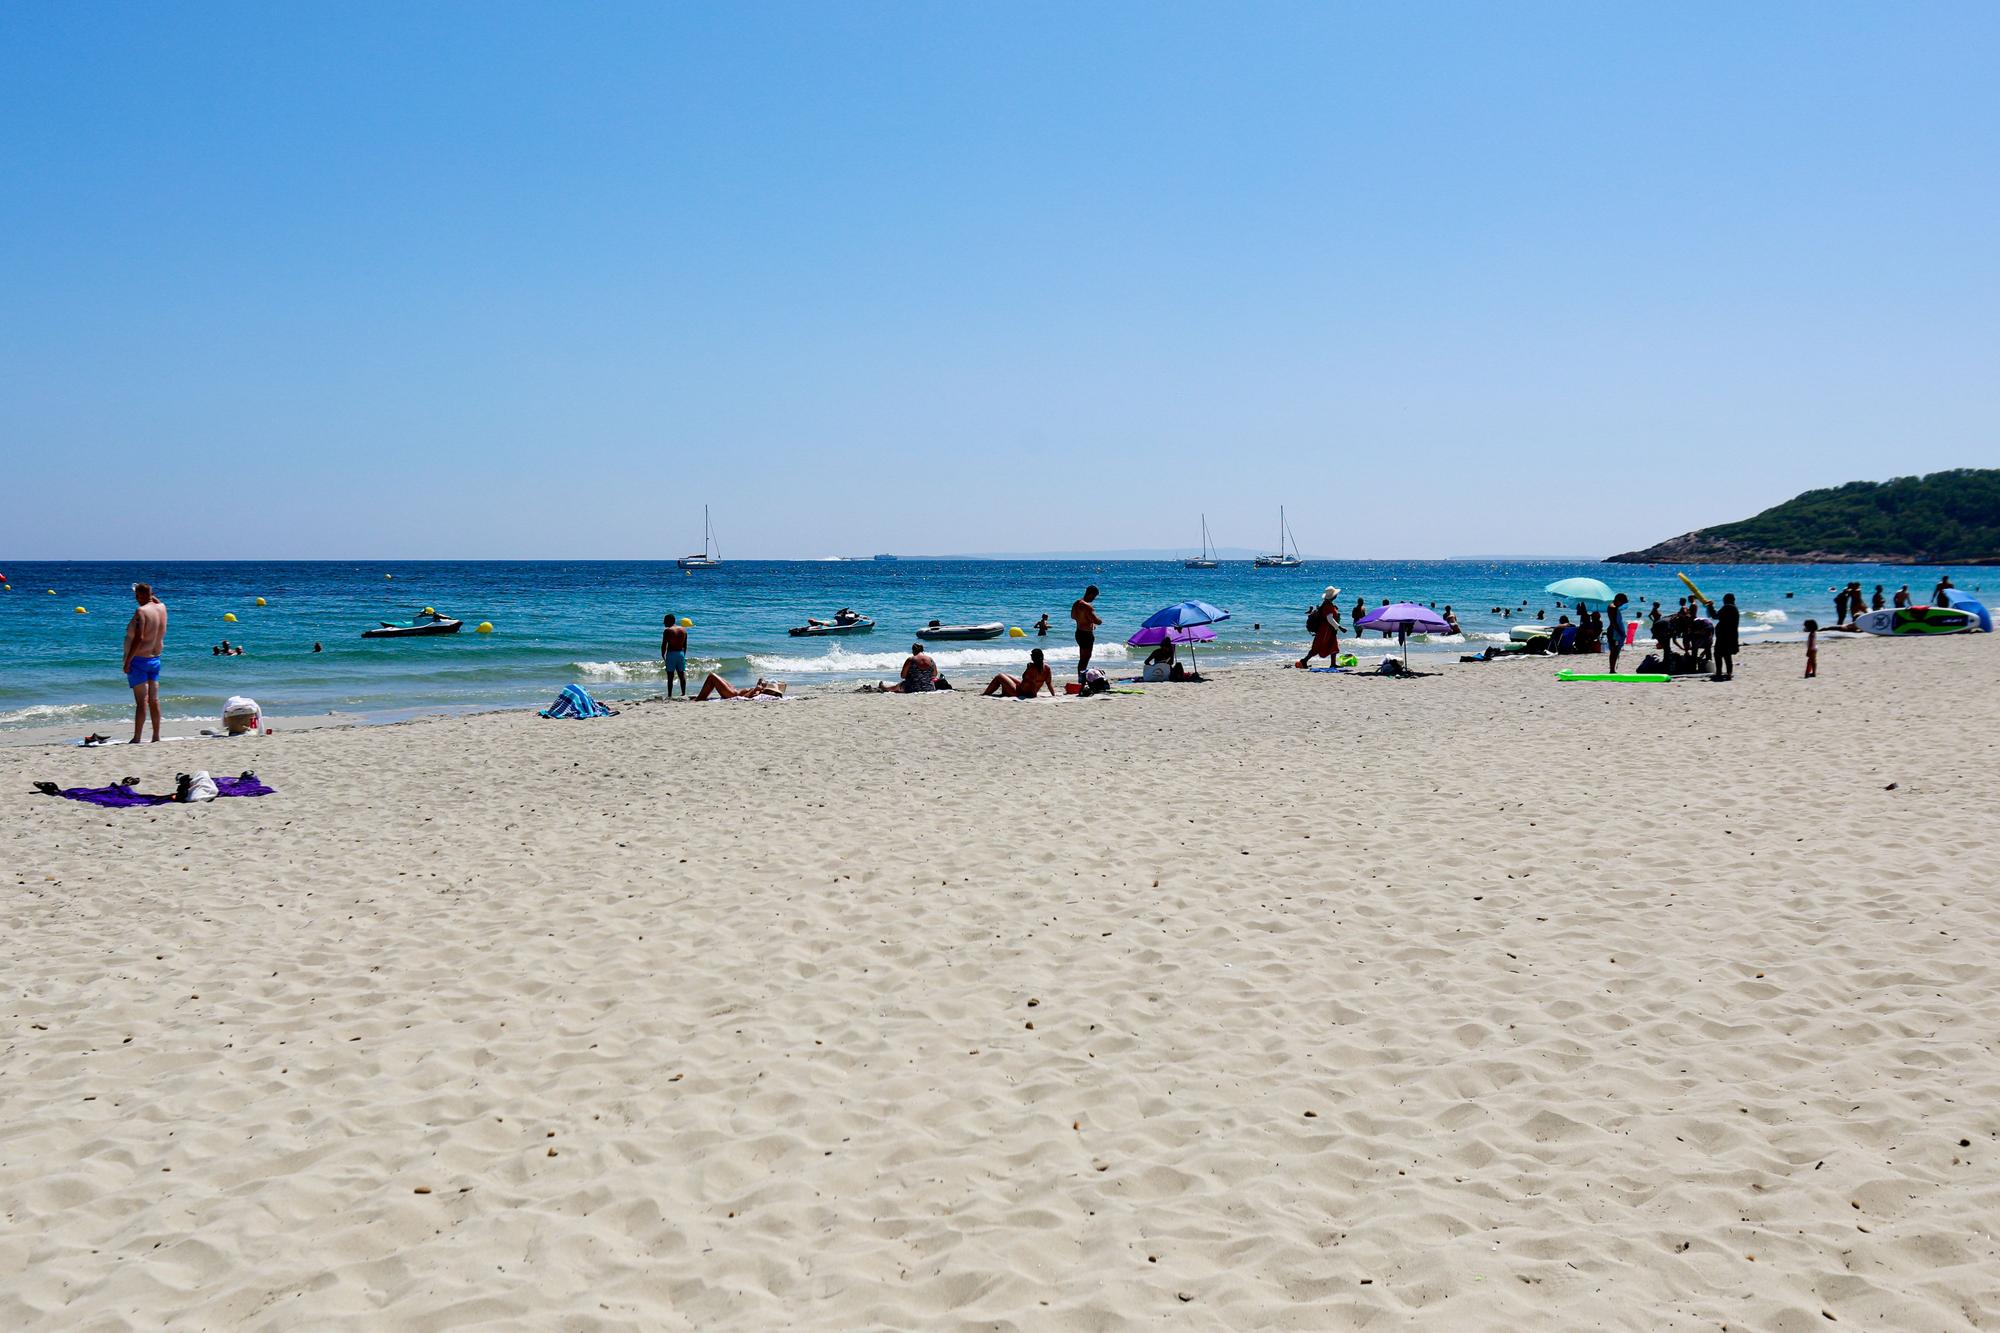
{"type": "Point", "coordinates": [241, 714]}
{"type": "Point", "coordinates": [199, 786]}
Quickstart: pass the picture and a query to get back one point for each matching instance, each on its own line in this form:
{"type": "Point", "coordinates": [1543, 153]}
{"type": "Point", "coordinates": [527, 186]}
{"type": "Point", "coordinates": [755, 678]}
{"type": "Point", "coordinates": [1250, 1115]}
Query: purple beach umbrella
{"type": "Point", "coordinates": [1158, 634]}
{"type": "Point", "coordinates": [1405, 618]}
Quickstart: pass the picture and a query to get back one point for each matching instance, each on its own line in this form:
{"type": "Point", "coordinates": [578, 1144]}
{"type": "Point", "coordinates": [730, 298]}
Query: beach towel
{"type": "Point", "coordinates": [121, 796]}
{"type": "Point", "coordinates": [575, 702]}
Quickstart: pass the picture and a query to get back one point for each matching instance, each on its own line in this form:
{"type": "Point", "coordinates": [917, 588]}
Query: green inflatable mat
{"type": "Point", "coordinates": [1648, 678]}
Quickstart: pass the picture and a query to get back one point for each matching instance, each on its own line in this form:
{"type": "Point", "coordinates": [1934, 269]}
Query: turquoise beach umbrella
{"type": "Point", "coordinates": [1581, 590]}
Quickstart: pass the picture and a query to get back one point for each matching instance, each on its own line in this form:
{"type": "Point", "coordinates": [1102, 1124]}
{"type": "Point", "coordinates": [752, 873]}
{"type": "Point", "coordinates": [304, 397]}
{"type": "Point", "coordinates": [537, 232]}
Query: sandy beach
{"type": "Point", "coordinates": [1285, 1001]}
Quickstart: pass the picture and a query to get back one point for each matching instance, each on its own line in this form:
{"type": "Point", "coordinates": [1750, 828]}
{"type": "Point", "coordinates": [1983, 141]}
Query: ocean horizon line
{"type": "Point", "coordinates": [1130, 556]}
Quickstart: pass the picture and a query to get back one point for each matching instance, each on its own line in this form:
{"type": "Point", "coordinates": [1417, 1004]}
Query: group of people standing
{"type": "Point", "coordinates": [1688, 642]}
{"type": "Point", "coordinates": [1850, 602]}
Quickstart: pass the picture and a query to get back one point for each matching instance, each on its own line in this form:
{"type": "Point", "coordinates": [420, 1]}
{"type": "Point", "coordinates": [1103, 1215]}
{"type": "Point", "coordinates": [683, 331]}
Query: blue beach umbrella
{"type": "Point", "coordinates": [1183, 622]}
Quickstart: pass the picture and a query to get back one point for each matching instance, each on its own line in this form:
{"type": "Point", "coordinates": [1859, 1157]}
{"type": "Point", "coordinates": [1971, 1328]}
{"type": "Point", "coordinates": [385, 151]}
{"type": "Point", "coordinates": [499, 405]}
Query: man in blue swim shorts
{"type": "Point", "coordinates": [145, 639]}
{"type": "Point", "coordinates": [674, 654]}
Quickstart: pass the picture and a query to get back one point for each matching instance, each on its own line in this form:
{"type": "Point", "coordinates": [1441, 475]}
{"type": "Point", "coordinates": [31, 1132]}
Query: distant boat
{"type": "Point", "coordinates": [711, 554]}
{"type": "Point", "coordinates": [1206, 560]}
{"type": "Point", "coordinates": [885, 559]}
{"type": "Point", "coordinates": [1287, 556]}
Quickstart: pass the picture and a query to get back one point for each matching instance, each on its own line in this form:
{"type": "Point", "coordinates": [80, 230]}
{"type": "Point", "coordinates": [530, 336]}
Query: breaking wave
{"type": "Point", "coordinates": [642, 670]}
{"type": "Point", "coordinates": [839, 661]}
{"type": "Point", "coordinates": [42, 712]}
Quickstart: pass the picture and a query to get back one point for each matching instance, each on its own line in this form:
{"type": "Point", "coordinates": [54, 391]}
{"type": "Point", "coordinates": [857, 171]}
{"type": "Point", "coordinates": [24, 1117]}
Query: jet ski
{"type": "Point", "coordinates": [428, 623]}
{"type": "Point", "coordinates": [934, 632]}
{"type": "Point", "coordinates": [816, 628]}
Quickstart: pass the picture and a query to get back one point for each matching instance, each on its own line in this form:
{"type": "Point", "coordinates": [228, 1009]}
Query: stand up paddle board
{"type": "Point", "coordinates": [1958, 601]}
{"type": "Point", "coordinates": [1622, 677]}
{"type": "Point", "coordinates": [1918, 620]}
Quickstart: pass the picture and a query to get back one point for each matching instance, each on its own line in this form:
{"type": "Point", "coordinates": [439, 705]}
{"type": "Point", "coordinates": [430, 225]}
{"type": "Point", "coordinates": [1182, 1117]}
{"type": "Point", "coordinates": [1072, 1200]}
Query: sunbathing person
{"type": "Point", "coordinates": [1036, 678]}
{"type": "Point", "coordinates": [918, 676]}
{"type": "Point", "coordinates": [715, 687]}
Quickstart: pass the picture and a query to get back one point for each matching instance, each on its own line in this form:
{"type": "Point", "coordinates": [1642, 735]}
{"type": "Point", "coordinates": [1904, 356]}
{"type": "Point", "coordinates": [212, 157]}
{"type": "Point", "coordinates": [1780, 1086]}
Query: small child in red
{"type": "Point", "coordinates": [1812, 649]}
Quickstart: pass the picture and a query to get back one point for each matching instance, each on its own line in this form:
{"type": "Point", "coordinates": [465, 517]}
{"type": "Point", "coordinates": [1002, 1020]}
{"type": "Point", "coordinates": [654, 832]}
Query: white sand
{"type": "Point", "coordinates": [1288, 1001]}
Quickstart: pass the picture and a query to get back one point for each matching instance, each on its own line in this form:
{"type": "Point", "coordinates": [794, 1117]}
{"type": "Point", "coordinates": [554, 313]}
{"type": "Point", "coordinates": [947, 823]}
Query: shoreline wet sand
{"type": "Point", "coordinates": [1288, 1000]}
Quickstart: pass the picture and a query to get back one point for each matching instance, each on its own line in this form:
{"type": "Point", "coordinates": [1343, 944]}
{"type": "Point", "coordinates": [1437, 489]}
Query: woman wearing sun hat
{"type": "Point", "coordinates": [1324, 622]}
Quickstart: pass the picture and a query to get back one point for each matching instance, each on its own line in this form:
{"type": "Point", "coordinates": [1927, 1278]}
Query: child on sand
{"type": "Point", "coordinates": [1812, 649]}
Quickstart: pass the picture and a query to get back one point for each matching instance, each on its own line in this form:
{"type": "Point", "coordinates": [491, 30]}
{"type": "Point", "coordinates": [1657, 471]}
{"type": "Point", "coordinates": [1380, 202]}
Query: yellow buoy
{"type": "Point", "coordinates": [80, 611]}
{"type": "Point", "coordinates": [686, 623]}
{"type": "Point", "coordinates": [229, 616]}
{"type": "Point", "coordinates": [262, 602]}
{"type": "Point", "coordinates": [388, 576]}
{"type": "Point", "coordinates": [52, 592]}
{"type": "Point", "coordinates": [1017, 633]}
{"type": "Point", "coordinates": [485, 627]}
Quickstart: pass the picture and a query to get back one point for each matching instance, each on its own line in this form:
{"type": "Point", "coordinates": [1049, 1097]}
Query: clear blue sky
{"type": "Point", "coordinates": [409, 280]}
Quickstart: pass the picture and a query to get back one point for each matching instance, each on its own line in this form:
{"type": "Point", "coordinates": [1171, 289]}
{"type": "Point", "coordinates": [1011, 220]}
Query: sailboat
{"type": "Point", "coordinates": [1287, 556]}
{"type": "Point", "coordinates": [1206, 560]}
{"type": "Point", "coordinates": [711, 554]}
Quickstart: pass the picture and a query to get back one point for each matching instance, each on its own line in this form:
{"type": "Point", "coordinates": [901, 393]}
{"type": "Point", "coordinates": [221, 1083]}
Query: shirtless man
{"type": "Point", "coordinates": [674, 654]}
{"type": "Point", "coordinates": [1086, 618]}
{"type": "Point", "coordinates": [145, 638]}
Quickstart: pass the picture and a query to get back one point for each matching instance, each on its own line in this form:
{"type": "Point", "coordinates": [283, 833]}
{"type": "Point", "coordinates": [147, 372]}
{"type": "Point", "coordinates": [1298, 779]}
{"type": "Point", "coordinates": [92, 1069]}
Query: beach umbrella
{"type": "Point", "coordinates": [1405, 618]}
{"type": "Point", "coordinates": [1151, 638]}
{"type": "Point", "coordinates": [1183, 622]}
{"type": "Point", "coordinates": [1183, 614]}
{"type": "Point", "coordinates": [1581, 590]}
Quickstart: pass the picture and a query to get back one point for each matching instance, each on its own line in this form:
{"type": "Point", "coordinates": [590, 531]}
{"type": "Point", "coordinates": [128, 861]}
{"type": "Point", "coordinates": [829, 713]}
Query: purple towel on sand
{"type": "Point", "coordinates": [121, 796]}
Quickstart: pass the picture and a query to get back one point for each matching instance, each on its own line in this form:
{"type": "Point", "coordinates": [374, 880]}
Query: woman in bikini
{"type": "Point", "coordinates": [1028, 684]}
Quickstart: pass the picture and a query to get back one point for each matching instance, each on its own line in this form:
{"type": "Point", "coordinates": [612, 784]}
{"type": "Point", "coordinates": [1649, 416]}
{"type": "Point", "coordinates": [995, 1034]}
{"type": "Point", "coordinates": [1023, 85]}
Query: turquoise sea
{"type": "Point", "coordinates": [598, 623]}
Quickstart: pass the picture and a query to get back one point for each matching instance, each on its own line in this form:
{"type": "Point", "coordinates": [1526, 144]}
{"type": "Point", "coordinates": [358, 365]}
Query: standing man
{"type": "Point", "coordinates": [1615, 639]}
{"type": "Point", "coordinates": [1938, 593]}
{"type": "Point", "coordinates": [1903, 595]}
{"type": "Point", "coordinates": [1875, 603]}
{"type": "Point", "coordinates": [674, 654]}
{"type": "Point", "coordinates": [1840, 607]}
{"type": "Point", "coordinates": [145, 639]}
{"type": "Point", "coordinates": [1087, 621]}
{"type": "Point", "coordinates": [1726, 638]}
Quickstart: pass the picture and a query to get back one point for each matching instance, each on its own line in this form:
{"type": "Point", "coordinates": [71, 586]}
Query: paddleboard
{"type": "Point", "coordinates": [1912, 620]}
{"type": "Point", "coordinates": [1649, 678]}
{"type": "Point", "coordinates": [1958, 601]}
{"type": "Point", "coordinates": [1523, 633]}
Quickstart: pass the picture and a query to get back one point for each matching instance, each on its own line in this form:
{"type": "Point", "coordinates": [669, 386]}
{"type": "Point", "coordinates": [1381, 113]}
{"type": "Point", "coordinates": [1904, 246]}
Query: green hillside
{"type": "Point", "coordinates": [1946, 518]}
